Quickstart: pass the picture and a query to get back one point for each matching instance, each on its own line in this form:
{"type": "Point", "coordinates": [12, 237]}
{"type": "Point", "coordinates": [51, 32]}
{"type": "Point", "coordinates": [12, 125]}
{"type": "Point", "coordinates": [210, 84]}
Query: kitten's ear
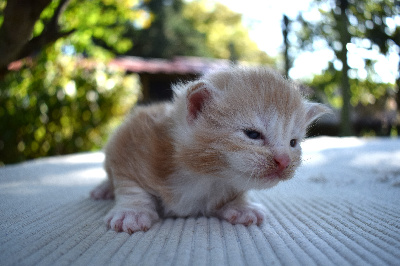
{"type": "Point", "coordinates": [315, 110]}
{"type": "Point", "coordinates": [197, 96]}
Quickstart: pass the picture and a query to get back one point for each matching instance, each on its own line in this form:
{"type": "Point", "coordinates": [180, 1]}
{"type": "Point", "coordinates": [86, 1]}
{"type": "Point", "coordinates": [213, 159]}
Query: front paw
{"type": "Point", "coordinates": [131, 220]}
{"type": "Point", "coordinates": [246, 215]}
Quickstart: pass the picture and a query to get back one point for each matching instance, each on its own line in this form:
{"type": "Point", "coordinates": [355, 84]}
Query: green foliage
{"type": "Point", "coordinates": [374, 20]}
{"type": "Point", "coordinates": [194, 28]}
{"type": "Point", "coordinates": [326, 87]}
{"type": "Point", "coordinates": [373, 27]}
{"type": "Point", "coordinates": [364, 92]}
{"type": "Point", "coordinates": [59, 104]}
{"type": "Point", "coordinates": [102, 21]}
{"type": "Point", "coordinates": [64, 99]}
{"type": "Point", "coordinates": [169, 34]}
{"type": "Point", "coordinates": [224, 31]}
{"type": "Point", "coordinates": [367, 30]}
{"type": "Point", "coordinates": [96, 24]}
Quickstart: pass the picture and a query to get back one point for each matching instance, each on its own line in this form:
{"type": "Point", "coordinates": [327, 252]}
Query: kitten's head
{"type": "Point", "coordinates": [244, 125]}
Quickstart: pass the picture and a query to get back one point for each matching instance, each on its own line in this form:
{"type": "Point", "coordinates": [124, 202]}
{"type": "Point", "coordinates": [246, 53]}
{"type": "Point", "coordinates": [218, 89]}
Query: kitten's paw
{"type": "Point", "coordinates": [246, 215]}
{"type": "Point", "coordinates": [102, 191]}
{"type": "Point", "coordinates": [131, 221]}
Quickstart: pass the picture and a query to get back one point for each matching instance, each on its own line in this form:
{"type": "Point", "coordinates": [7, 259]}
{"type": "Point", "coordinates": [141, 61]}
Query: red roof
{"type": "Point", "coordinates": [177, 65]}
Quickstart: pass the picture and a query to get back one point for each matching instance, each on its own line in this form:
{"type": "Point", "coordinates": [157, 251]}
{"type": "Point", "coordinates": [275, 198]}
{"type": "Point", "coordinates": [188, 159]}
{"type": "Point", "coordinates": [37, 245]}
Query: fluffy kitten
{"type": "Point", "coordinates": [222, 135]}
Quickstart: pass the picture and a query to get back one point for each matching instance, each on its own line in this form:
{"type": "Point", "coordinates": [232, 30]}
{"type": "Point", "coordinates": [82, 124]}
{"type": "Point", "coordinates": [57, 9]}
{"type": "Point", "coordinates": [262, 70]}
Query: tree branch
{"type": "Point", "coordinates": [39, 42]}
{"type": "Point", "coordinates": [20, 17]}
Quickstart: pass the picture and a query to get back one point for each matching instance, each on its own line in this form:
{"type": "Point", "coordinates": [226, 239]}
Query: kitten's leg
{"type": "Point", "coordinates": [134, 210]}
{"type": "Point", "coordinates": [103, 191]}
{"type": "Point", "coordinates": [242, 211]}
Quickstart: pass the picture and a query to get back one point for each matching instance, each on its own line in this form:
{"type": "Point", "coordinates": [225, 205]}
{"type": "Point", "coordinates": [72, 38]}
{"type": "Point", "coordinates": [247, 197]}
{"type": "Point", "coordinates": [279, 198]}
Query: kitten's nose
{"type": "Point", "coordinates": [282, 161]}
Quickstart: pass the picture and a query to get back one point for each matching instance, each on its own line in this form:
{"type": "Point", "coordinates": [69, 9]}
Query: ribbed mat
{"type": "Point", "coordinates": [298, 231]}
{"type": "Point", "coordinates": [310, 222]}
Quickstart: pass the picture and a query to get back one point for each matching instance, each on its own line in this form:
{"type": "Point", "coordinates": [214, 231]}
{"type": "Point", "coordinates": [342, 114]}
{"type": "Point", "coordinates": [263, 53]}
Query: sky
{"type": "Point", "coordinates": [264, 18]}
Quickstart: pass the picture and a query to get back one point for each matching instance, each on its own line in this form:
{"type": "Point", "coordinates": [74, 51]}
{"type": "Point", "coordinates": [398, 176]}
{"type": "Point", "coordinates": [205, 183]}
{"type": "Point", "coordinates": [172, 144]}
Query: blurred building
{"type": "Point", "coordinates": [157, 75]}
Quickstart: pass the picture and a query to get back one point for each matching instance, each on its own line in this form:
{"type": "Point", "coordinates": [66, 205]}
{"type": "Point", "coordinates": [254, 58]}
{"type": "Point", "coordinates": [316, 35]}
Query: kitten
{"type": "Point", "coordinates": [229, 132]}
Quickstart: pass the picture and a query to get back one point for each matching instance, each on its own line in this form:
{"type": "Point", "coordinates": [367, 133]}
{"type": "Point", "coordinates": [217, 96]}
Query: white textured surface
{"type": "Point", "coordinates": [342, 208]}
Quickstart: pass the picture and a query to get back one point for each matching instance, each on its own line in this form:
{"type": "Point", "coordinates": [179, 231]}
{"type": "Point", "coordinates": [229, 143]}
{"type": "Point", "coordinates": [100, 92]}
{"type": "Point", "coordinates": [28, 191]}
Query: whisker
{"type": "Point", "coordinates": [250, 178]}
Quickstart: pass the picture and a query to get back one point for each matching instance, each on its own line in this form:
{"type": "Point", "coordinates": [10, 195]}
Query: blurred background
{"type": "Point", "coordinates": [71, 69]}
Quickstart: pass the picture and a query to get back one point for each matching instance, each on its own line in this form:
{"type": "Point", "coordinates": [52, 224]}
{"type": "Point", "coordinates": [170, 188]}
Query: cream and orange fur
{"type": "Point", "coordinates": [228, 132]}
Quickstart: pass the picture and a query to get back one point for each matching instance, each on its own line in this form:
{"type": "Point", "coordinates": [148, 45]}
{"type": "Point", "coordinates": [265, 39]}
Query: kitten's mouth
{"type": "Point", "coordinates": [277, 176]}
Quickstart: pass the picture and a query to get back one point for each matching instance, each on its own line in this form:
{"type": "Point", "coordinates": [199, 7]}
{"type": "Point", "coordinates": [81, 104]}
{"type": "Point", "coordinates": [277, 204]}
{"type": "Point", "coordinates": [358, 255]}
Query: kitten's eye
{"type": "Point", "coordinates": [293, 143]}
{"type": "Point", "coordinates": [252, 134]}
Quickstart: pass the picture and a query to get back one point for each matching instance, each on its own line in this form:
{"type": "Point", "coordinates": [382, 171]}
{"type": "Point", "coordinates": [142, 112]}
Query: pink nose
{"type": "Point", "coordinates": [282, 161]}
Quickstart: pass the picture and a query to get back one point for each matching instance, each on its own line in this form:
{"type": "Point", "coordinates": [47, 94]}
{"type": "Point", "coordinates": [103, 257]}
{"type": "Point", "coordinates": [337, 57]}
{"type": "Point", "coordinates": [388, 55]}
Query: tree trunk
{"type": "Point", "coordinates": [397, 122]}
{"type": "Point", "coordinates": [345, 38]}
{"type": "Point", "coordinates": [285, 33]}
{"type": "Point", "coordinates": [20, 17]}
